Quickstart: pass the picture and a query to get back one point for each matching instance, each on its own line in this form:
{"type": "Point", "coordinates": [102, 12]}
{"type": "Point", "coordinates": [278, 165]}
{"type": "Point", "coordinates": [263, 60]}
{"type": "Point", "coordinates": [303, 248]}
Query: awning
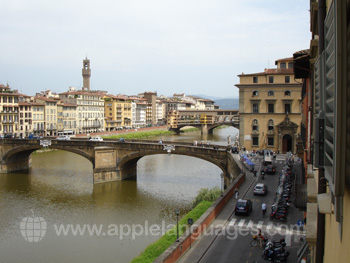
{"type": "Point", "coordinates": [249, 162]}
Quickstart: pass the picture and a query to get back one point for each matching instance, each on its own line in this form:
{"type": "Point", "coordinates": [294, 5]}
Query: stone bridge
{"type": "Point", "coordinates": [113, 160]}
{"type": "Point", "coordinates": [207, 120]}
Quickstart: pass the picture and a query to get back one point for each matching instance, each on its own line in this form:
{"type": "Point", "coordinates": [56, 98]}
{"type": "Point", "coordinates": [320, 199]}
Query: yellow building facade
{"type": "Point", "coordinates": [270, 108]}
{"type": "Point", "coordinates": [9, 110]}
{"type": "Point", "coordinates": [118, 112]}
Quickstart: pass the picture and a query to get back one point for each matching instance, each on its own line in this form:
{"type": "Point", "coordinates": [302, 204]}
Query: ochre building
{"type": "Point", "coordinates": [270, 108]}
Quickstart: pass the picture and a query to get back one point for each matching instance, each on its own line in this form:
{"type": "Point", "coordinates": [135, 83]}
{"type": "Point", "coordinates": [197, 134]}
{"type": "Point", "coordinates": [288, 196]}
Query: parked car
{"type": "Point", "coordinates": [8, 136]}
{"type": "Point", "coordinates": [270, 169]}
{"type": "Point", "coordinates": [243, 206]}
{"type": "Point", "coordinates": [96, 139]}
{"type": "Point", "coordinates": [260, 189]}
{"type": "Point", "coordinates": [235, 149]}
{"type": "Point", "coordinates": [63, 138]}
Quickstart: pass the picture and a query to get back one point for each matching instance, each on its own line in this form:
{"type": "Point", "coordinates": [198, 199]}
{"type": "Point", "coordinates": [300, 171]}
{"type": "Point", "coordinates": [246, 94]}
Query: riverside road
{"type": "Point", "coordinates": [228, 238]}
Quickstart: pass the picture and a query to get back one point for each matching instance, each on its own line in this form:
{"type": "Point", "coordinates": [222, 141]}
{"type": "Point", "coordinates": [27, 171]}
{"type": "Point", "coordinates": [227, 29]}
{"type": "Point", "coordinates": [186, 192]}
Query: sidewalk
{"type": "Point", "coordinates": [202, 244]}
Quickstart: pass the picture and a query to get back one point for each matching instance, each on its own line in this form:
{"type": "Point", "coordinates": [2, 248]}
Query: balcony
{"type": "Point", "coordinates": [93, 126]}
{"type": "Point", "coordinates": [9, 122]}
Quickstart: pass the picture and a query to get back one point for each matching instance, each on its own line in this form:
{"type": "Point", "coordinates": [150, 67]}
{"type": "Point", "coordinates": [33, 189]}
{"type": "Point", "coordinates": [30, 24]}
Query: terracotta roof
{"type": "Point", "coordinates": [25, 104]}
{"type": "Point", "coordinates": [69, 105]}
{"type": "Point", "coordinates": [284, 59]}
{"type": "Point", "coordinates": [271, 71]}
{"type": "Point", "coordinates": [119, 97]}
{"type": "Point", "coordinates": [46, 99]}
{"type": "Point", "coordinates": [80, 92]}
{"type": "Point", "coordinates": [37, 104]}
{"type": "Point", "coordinates": [302, 52]}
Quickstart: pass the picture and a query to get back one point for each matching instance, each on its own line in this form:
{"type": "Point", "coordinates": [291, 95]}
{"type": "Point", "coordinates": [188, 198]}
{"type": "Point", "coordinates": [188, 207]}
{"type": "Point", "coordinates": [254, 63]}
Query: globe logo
{"type": "Point", "coordinates": [33, 229]}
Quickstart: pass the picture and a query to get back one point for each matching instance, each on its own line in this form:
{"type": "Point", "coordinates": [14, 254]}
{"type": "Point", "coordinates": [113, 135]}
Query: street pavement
{"type": "Point", "coordinates": [228, 238]}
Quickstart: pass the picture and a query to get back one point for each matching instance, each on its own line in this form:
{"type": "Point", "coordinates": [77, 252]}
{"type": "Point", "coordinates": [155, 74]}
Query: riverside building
{"type": "Point", "coordinates": [269, 108]}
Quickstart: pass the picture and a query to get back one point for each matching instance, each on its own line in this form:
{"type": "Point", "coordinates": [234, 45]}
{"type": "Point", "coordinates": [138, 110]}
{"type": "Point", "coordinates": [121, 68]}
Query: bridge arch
{"type": "Point", "coordinates": [23, 153]}
{"type": "Point", "coordinates": [131, 159]}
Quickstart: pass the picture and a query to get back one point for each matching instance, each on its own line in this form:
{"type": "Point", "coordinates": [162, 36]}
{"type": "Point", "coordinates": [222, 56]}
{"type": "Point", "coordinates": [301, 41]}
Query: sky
{"type": "Point", "coordinates": [167, 46]}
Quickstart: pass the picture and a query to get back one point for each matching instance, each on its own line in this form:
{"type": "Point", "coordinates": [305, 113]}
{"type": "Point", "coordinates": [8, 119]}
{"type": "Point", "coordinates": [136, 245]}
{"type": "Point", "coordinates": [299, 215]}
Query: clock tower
{"type": "Point", "coordinates": [86, 74]}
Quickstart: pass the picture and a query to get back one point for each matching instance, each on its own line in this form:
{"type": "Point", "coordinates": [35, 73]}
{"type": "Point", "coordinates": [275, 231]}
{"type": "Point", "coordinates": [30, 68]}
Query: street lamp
{"type": "Point", "coordinates": [177, 212]}
{"type": "Point", "coordinates": [222, 184]}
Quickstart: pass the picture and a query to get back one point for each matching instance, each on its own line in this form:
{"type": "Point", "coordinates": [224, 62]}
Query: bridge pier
{"type": "Point", "coordinates": [16, 165]}
{"type": "Point", "coordinates": [106, 170]}
{"type": "Point", "coordinates": [204, 129]}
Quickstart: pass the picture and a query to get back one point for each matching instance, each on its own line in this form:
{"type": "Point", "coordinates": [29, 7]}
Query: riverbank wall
{"type": "Point", "coordinates": [177, 249]}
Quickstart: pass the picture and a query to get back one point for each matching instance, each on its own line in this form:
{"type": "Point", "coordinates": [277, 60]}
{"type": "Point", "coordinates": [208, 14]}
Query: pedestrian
{"type": "Point", "coordinates": [236, 194]}
{"type": "Point", "coordinates": [264, 208]}
{"type": "Point", "coordinates": [299, 161]}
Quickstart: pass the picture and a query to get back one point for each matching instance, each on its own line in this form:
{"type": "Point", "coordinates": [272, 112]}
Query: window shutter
{"type": "Point", "coordinates": [329, 96]}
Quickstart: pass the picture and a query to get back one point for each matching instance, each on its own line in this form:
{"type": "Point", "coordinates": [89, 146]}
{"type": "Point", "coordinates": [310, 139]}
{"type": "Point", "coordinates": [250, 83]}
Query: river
{"type": "Point", "coordinates": [57, 194]}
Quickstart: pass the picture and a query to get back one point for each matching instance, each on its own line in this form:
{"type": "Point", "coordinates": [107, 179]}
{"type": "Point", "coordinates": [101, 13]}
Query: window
{"type": "Point", "coordinates": [270, 126]}
{"type": "Point", "coordinates": [287, 108]}
{"type": "Point", "coordinates": [290, 65]}
{"type": "Point", "coordinates": [287, 79]}
{"type": "Point", "coordinates": [270, 141]}
{"type": "Point", "coordinates": [283, 65]}
{"type": "Point", "coordinates": [270, 79]}
{"type": "Point", "coordinates": [255, 93]}
{"type": "Point", "coordinates": [287, 93]}
{"type": "Point", "coordinates": [270, 93]}
{"type": "Point", "coordinates": [255, 125]}
{"type": "Point", "coordinates": [255, 79]}
{"type": "Point", "coordinates": [255, 107]}
{"type": "Point", "coordinates": [271, 108]}
{"type": "Point", "coordinates": [255, 141]}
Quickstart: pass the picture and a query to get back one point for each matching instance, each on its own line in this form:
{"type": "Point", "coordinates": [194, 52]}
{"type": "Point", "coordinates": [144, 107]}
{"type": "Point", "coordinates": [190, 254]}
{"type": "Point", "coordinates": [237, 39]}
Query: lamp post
{"type": "Point", "coordinates": [177, 212]}
{"type": "Point", "coordinates": [222, 184]}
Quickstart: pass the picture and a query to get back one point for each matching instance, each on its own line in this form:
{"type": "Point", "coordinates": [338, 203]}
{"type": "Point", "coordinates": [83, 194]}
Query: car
{"type": "Point", "coordinates": [243, 207]}
{"type": "Point", "coordinates": [63, 138]}
{"type": "Point", "coordinates": [260, 189]}
{"type": "Point", "coordinates": [235, 149]}
{"type": "Point", "coordinates": [270, 169]}
{"type": "Point", "coordinates": [8, 136]}
{"type": "Point", "coordinates": [267, 159]}
{"type": "Point", "coordinates": [96, 139]}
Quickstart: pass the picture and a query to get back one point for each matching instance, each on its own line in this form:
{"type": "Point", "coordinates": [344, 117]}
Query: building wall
{"type": "Point", "coordinates": [256, 117]}
{"type": "Point", "coordinates": [9, 112]}
{"type": "Point", "coordinates": [38, 119]}
{"type": "Point", "coordinates": [118, 112]}
{"type": "Point", "coordinates": [337, 250]}
{"type": "Point", "coordinates": [25, 127]}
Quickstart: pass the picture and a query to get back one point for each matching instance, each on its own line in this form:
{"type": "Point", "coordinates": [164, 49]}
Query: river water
{"type": "Point", "coordinates": [57, 194]}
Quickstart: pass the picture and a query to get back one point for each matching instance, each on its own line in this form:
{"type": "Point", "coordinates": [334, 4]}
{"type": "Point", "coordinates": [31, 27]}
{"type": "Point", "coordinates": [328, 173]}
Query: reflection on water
{"type": "Point", "coordinates": [59, 189]}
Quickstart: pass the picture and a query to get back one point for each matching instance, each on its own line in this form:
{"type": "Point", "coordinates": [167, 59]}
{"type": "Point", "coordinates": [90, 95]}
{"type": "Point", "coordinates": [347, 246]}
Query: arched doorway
{"type": "Point", "coordinates": [287, 143]}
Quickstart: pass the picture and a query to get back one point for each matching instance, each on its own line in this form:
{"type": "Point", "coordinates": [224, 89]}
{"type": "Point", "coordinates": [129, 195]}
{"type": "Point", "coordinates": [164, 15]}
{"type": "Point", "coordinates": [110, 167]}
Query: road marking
{"type": "Point", "coordinates": [269, 226]}
{"type": "Point", "coordinates": [250, 224]}
{"type": "Point", "coordinates": [288, 239]}
{"type": "Point", "coordinates": [260, 224]}
{"type": "Point", "coordinates": [232, 222]}
{"type": "Point", "coordinates": [241, 223]}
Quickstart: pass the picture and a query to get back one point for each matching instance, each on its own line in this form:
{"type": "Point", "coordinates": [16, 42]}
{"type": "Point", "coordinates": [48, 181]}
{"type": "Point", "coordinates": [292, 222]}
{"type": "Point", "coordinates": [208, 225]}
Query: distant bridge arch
{"type": "Point", "coordinates": [205, 120]}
